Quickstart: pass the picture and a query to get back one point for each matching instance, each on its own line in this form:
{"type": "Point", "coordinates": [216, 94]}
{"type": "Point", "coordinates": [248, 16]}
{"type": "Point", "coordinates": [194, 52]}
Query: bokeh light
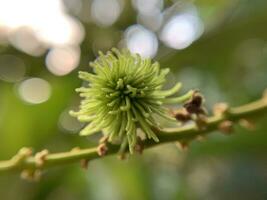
{"type": "Point", "coordinates": [141, 40]}
{"type": "Point", "coordinates": [62, 60]}
{"type": "Point", "coordinates": [34, 90]}
{"type": "Point", "coordinates": [149, 13]}
{"type": "Point", "coordinates": [106, 12]}
{"type": "Point", "coordinates": [148, 6]}
{"type": "Point", "coordinates": [25, 40]}
{"type": "Point", "coordinates": [61, 30]}
{"type": "Point", "coordinates": [181, 30]}
{"type": "Point", "coordinates": [47, 19]}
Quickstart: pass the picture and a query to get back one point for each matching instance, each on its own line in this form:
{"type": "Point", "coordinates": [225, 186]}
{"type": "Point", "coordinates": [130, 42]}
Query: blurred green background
{"type": "Point", "coordinates": [219, 47]}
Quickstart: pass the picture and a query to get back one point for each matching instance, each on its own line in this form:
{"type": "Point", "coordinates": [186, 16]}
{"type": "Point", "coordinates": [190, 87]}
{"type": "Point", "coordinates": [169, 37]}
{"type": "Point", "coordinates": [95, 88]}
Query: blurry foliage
{"type": "Point", "coordinates": [227, 63]}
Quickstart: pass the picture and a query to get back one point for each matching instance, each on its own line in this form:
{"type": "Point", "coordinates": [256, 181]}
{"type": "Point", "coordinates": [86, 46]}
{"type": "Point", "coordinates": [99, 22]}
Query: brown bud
{"type": "Point", "coordinates": [194, 105]}
{"type": "Point", "coordinates": [122, 156]}
{"type": "Point", "coordinates": [31, 175]}
{"type": "Point", "coordinates": [197, 100]}
{"type": "Point", "coordinates": [182, 115]}
{"type": "Point", "coordinates": [22, 154]}
{"type": "Point", "coordinates": [247, 124]}
{"type": "Point", "coordinates": [26, 174]}
{"type": "Point", "coordinates": [191, 108]}
{"type": "Point", "coordinates": [226, 127]}
{"type": "Point", "coordinates": [102, 149]}
{"type": "Point", "coordinates": [201, 122]}
{"type": "Point", "coordinates": [84, 163]}
{"type": "Point", "coordinates": [40, 157]}
{"type": "Point", "coordinates": [220, 108]}
{"type": "Point", "coordinates": [25, 151]}
{"type": "Point", "coordinates": [183, 146]}
{"type": "Point", "coordinates": [139, 148]}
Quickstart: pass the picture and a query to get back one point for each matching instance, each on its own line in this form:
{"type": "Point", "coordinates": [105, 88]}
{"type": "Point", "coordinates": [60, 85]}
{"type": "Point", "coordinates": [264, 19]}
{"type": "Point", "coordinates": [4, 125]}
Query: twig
{"type": "Point", "coordinates": [23, 160]}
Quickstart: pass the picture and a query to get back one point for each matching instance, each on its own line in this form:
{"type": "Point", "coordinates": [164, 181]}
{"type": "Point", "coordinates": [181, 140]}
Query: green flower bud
{"type": "Point", "coordinates": [123, 94]}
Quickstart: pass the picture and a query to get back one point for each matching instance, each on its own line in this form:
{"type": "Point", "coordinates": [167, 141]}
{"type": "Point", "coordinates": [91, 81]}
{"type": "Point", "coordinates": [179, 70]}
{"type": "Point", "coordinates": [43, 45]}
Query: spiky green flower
{"type": "Point", "coordinates": [124, 93]}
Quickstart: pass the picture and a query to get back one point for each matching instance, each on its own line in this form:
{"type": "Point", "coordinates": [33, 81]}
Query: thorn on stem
{"type": "Point", "coordinates": [40, 157]}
